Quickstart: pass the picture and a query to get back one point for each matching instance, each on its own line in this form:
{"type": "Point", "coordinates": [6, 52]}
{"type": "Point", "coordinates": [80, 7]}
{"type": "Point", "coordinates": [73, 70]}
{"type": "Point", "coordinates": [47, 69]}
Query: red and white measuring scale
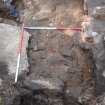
{"type": "Point", "coordinates": [71, 27]}
{"type": "Point", "coordinates": [21, 40]}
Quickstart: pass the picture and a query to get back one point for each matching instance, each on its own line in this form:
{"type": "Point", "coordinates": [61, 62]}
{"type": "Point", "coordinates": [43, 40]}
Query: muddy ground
{"type": "Point", "coordinates": [59, 57]}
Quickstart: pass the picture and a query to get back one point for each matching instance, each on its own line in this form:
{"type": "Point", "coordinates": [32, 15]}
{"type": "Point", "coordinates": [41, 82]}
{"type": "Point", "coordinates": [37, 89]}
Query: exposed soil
{"type": "Point", "coordinates": [60, 57]}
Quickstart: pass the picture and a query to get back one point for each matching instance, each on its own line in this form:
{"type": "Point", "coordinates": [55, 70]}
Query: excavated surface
{"type": "Point", "coordinates": [58, 57]}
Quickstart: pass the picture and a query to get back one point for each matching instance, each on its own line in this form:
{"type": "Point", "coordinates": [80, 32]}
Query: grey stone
{"type": "Point", "coordinates": [44, 83]}
{"type": "Point", "coordinates": [74, 91]}
{"type": "Point", "coordinates": [92, 4]}
{"type": "Point", "coordinates": [99, 12]}
{"type": "Point", "coordinates": [54, 59]}
{"type": "Point", "coordinates": [65, 50]}
{"type": "Point", "coordinates": [1, 82]}
{"type": "Point", "coordinates": [9, 41]}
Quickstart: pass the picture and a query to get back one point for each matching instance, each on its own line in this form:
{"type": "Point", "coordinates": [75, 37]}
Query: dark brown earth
{"type": "Point", "coordinates": [57, 56]}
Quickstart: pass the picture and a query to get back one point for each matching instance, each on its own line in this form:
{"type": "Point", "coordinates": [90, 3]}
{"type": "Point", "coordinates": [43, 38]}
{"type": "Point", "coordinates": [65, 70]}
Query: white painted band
{"type": "Point", "coordinates": [41, 28]}
{"type": "Point", "coordinates": [17, 68]}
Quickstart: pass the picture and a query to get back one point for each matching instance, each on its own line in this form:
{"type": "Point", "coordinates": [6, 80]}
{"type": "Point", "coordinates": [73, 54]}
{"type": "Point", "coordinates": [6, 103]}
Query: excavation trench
{"type": "Point", "coordinates": [62, 66]}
